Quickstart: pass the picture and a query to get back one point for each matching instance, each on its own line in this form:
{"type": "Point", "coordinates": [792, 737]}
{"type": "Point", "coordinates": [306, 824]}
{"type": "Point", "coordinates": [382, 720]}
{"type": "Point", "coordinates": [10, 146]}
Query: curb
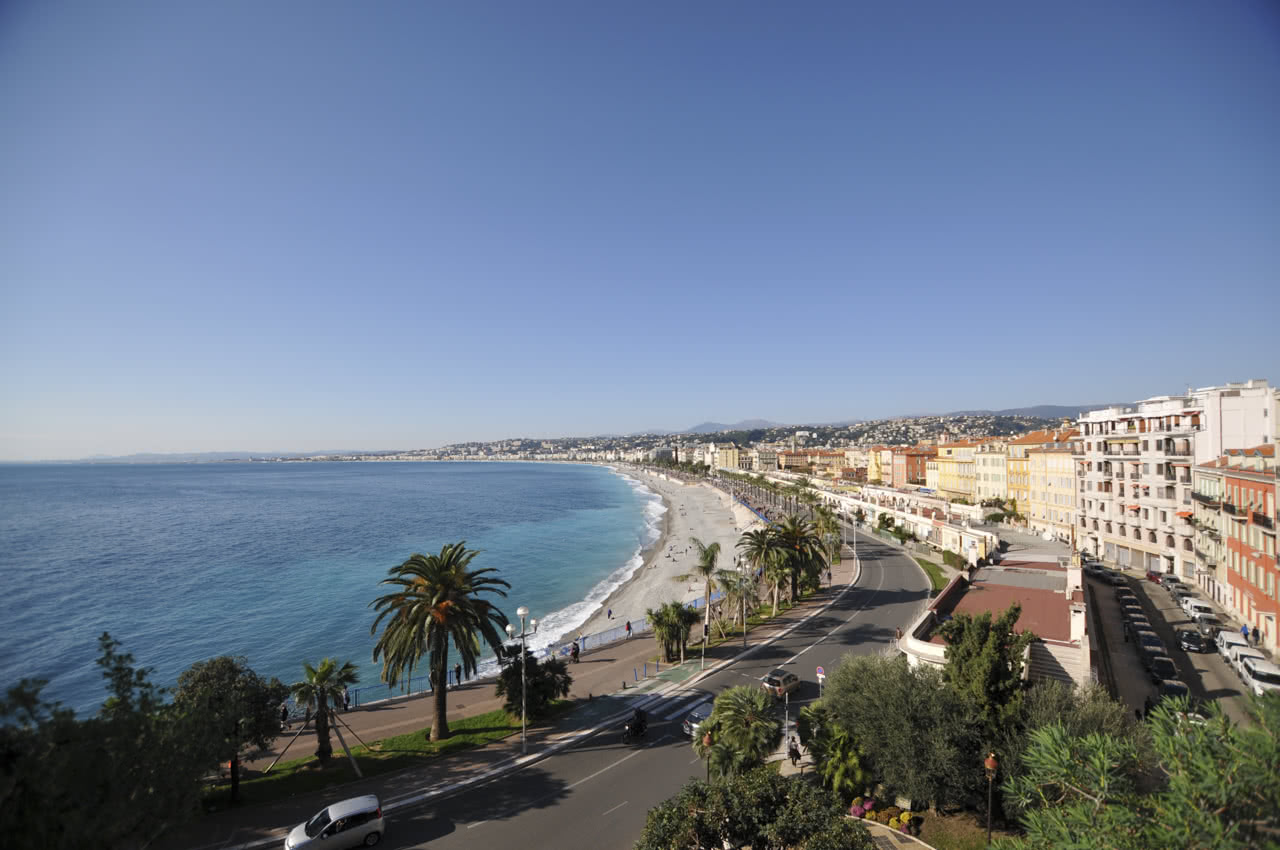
{"type": "Point", "coordinates": [565, 741]}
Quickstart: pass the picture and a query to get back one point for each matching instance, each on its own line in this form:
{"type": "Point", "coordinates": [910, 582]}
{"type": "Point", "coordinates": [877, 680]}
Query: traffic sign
{"type": "Point", "coordinates": [822, 674]}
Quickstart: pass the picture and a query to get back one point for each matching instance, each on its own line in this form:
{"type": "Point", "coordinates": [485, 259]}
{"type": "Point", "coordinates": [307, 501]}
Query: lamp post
{"type": "Point", "coordinates": [991, 766]}
{"type": "Point", "coordinates": [742, 564]}
{"type": "Point", "coordinates": [522, 612]}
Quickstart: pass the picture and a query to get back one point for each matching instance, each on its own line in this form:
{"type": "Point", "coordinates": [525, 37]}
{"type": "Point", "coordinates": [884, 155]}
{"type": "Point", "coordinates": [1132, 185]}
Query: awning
{"type": "Point", "coordinates": [1184, 513]}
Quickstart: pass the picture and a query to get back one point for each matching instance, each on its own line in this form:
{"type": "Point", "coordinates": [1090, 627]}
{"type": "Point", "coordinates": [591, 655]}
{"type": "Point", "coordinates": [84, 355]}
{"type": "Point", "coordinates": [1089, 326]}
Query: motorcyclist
{"type": "Point", "coordinates": [638, 724]}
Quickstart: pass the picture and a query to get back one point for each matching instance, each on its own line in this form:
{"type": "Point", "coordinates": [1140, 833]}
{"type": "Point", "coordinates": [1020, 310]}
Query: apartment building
{"type": "Point", "coordinates": [1135, 484]}
{"type": "Point", "coordinates": [909, 464]}
{"type": "Point", "coordinates": [1051, 470]}
{"type": "Point", "coordinates": [1235, 502]}
{"type": "Point", "coordinates": [876, 471]}
{"type": "Point", "coordinates": [990, 470]}
{"type": "Point", "coordinates": [1017, 470]}
{"type": "Point", "coordinates": [764, 459]}
{"type": "Point", "coordinates": [727, 456]}
{"type": "Point", "coordinates": [955, 463]}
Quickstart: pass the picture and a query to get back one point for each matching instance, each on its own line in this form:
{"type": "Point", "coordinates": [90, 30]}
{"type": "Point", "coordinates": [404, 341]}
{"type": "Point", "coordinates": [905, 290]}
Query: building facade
{"type": "Point", "coordinates": [1135, 485]}
{"type": "Point", "coordinates": [990, 470]}
{"type": "Point", "coordinates": [1052, 499]}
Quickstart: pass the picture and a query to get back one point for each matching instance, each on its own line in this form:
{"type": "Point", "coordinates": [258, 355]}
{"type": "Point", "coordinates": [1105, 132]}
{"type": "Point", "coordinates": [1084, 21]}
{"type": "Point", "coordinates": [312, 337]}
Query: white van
{"type": "Point", "coordinates": [1260, 675]}
{"type": "Point", "coordinates": [1237, 654]}
{"type": "Point", "coordinates": [1228, 639]}
{"type": "Point", "coordinates": [1195, 607]}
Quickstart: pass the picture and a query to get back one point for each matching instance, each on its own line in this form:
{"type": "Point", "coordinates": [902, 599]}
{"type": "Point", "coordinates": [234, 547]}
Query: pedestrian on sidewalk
{"type": "Point", "coordinates": [610, 613]}
{"type": "Point", "coordinates": [628, 630]}
{"type": "Point", "coordinates": [1244, 630]}
{"type": "Point", "coordinates": [457, 674]}
{"type": "Point", "coordinates": [284, 716]}
{"type": "Point", "coordinates": [346, 700]}
{"type": "Point", "coordinates": [793, 751]}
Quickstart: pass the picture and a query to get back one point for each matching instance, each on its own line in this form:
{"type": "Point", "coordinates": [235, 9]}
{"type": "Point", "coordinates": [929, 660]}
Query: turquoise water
{"type": "Point", "coordinates": [279, 561]}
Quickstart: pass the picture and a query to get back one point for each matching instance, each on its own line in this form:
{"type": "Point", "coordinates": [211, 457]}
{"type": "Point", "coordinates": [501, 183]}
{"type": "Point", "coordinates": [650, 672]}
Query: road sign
{"type": "Point", "coordinates": [822, 674]}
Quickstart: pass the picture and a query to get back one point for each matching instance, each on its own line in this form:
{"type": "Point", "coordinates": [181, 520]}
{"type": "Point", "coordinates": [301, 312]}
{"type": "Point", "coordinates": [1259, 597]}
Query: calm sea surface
{"type": "Point", "coordinates": [279, 562]}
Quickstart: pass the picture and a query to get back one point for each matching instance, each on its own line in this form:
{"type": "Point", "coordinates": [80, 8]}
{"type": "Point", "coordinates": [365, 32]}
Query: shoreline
{"type": "Point", "coordinates": [692, 510]}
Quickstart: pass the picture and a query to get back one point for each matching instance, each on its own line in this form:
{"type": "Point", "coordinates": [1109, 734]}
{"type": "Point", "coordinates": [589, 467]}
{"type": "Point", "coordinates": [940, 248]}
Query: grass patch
{"type": "Point", "coordinates": [936, 578]}
{"type": "Point", "coordinates": [961, 831]}
{"type": "Point", "coordinates": [306, 774]}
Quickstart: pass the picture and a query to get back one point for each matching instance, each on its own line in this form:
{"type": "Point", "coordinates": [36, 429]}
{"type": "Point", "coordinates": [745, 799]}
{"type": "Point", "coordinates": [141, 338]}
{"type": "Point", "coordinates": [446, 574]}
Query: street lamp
{"type": "Point", "coordinates": [743, 591]}
{"type": "Point", "coordinates": [991, 766]}
{"type": "Point", "coordinates": [522, 612]}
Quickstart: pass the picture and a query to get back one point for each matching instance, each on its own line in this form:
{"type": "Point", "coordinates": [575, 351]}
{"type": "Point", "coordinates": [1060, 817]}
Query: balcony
{"type": "Point", "coordinates": [1134, 476]}
{"type": "Point", "coordinates": [1177, 452]}
{"type": "Point", "coordinates": [1204, 499]}
{"type": "Point", "coordinates": [1228, 508]}
{"type": "Point", "coordinates": [1263, 520]}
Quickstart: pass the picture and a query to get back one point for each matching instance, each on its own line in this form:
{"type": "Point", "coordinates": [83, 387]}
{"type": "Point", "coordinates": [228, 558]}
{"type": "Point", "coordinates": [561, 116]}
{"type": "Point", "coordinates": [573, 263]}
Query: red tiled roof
{"type": "Point", "coordinates": [1044, 612]}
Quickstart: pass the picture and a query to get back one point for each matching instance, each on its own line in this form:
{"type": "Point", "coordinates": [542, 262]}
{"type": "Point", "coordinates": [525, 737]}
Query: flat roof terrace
{"type": "Point", "coordinates": [1040, 589]}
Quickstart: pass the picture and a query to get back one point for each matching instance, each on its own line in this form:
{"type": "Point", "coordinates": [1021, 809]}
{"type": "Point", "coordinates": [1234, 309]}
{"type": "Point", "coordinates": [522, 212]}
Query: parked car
{"type": "Point", "coordinates": [1260, 675]}
{"type": "Point", "coordinates": [356, 822]}
{"type": "Point", "coordinates": [1129, 610]}
{"type": "Point", "coordinates": [1123, 593]}
{"type": "Point", "coordinates": [1227, 639]}
{"type": "Point", "coordinates": [1209, 626]}
{"type": "Point", "coordinates": [1149, 646]}
{"type": "Point", "coordinates": [1154, 576]}
{"type": "Point", "coordinates": [1238, 653]}
{"type": "Point", "coordinates": [1195, 607]}
{"type": "Point", "coordinates": [1191, 641]}
{"type": "Point", "coordinates": [1093, 568]}
{"type": "Point", "coordinates": [1174, 688]}
{"type": "Point", "coordinates": [780, 682]}
{"type": "Point", "coordinates": [1137, 624]}
{"type": "Point", "coordinates": [1169, 579]}
{"type": "Point", "coordinates": [1160, 668]}
{"type": "Point", "coordinates": [695, 718]}
{"type": "Point", "coordinates": [1117, 579]}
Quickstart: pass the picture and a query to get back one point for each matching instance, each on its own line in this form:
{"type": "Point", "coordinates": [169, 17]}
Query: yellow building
{"type": "Point", "coordinates": [956, 469]}
{"type": "Point", "coordinates": [1018, 474]}
{"type": "Point", "coordinates": [1052, 495]}
{"type": "Point", "coordinates": [876, 472]}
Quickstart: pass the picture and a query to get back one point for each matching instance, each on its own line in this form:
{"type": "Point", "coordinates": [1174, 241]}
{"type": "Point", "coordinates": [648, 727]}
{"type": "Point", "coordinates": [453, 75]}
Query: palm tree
{"type": "Point", "coordinates": [736, 588]}
{"type": "Point", "coordinates": [763, 551]}
{"type": "Point", "coordinates": [741, 732]}
{"type": "Point", "coordinates": [437, 600]}
{"type": "Point", "coordinates": [323, 684]}
{"type": "Point", "coordinates": [803, 550]}
{"type": "Point", "coordinates": [835, 753]}
{"type": "Point", "coordinates": [828, 527]}
{"type": "Point", "coordinates": [672, 622]}
{"type": "Point", "coordinates": [705, 570]}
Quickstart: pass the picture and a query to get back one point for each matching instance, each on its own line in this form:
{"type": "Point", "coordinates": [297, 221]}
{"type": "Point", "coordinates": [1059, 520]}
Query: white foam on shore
{"type": "Point", "coordinates": [554, 629]}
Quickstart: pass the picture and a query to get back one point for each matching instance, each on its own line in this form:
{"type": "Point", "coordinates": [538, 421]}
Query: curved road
{"type": "Point", "coordinates": [595, 796]}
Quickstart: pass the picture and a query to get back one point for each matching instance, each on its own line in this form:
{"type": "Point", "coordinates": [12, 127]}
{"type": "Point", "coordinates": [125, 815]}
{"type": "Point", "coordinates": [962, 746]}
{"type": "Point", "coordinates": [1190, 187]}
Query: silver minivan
{"type": "Point", "coordinates": [1260, 675]}
{"type": "Point", "coordinates": [1237, 654]}
{"type": "Point", "coordinates": [1226, 640]}
{"type": "Point", "coordinates": [356, 822]}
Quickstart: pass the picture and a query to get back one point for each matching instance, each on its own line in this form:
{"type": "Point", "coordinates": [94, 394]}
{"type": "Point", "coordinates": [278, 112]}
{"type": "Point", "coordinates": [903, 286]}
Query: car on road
{"type": "Point", "coordinates": [1123, 593]}
{"type": "Point", "coordinates": [1226, 640]}
{"type": "Point", "coordinates": [1237, 655]}
{"type": "Point", "coordinates": [780, 682]}
{"type": "Point", "coordinates": [1161, 668]}
{"type": "Point", "coordinates": [356, 822]}
{"type": "Point", "coordinates": [1260, 675]}
{"type": "Point", "coordinates": [1137, 624]}
{"type": "Point", "coordinates": [1179, 592]}
{"type": "Point", "coordinates": [1209, 626]}
{"type": "Point", "coordinates": [1154, 576]}
{"type": "Point", "coordinates": [1117, 579]}
{"type": "Point", "coordinates": [1194, 607]}
{"type": "Point", "coordinates": [1093, 568]}
{"type": "Point", "coordinates": [1131, 610]}
{"type": "Point", "coordinates": [1174, 688]}
{"type": "Point", "coordinates": [1191, 641]}
{"type": "Point", "coordinates": [695, 718]}
{"type": "Point", "coordinates": [1168, 579]}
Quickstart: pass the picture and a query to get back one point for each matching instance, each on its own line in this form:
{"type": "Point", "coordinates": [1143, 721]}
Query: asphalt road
{"type": "Point", "coordinates": [596, 795]}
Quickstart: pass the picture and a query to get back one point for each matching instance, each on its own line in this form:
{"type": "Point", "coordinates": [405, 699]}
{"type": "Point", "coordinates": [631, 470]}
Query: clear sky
{"type": "Point", "coordinates": [318, 225]}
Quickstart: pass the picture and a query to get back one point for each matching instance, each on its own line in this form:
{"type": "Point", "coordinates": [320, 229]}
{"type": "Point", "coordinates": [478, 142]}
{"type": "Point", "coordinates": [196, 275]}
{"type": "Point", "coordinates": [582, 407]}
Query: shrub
{"type": "Point", "coordinates": [883, 817]}
{"type": "Point", "coordinates": [952, 559]}
{"type": "Point", "coordinates": [893, 811]}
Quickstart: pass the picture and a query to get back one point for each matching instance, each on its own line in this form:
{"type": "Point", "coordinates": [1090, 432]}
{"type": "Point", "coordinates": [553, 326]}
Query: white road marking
{"type": "Point", "coordinates": [477, 823]}
{"type": "Point", "coordinates": [614, 809]}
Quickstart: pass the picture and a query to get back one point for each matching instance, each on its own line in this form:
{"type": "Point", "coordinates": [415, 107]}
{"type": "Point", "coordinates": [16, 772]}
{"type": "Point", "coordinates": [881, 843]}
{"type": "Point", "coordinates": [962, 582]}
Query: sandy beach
{"type": "Point", "coordinates": [693, 510]}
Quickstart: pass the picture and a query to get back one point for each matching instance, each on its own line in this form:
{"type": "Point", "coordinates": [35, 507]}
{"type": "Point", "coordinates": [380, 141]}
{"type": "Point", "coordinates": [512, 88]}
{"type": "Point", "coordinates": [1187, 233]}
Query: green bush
{"type": "Point", "coordinates": [952, 559]}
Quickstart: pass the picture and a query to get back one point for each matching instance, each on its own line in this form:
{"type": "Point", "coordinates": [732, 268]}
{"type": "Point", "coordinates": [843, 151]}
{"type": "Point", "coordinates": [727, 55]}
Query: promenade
{"type": "Point", "coordinates": [608, 683]}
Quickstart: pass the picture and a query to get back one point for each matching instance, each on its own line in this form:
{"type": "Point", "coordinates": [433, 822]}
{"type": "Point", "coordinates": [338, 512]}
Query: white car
{"type": "Point", "coordinates": [1260, 675]}
{"type": "Point", "coordinates": [356, 822]}
{"type": "Point", "coordinates": [1237, 654]}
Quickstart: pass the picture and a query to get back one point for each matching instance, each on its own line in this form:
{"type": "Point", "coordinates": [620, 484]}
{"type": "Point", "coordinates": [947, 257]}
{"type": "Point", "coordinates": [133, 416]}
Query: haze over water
{"type": "Point", "coordinates": [278, 562]}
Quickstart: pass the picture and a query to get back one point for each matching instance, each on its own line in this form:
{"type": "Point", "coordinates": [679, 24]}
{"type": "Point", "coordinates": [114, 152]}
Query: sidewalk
{"type": "Point", "coordinates": [608, 682]}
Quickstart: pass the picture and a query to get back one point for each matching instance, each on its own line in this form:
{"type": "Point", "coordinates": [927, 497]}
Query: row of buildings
{"type": "Point", "coordinates": [1183, 484]}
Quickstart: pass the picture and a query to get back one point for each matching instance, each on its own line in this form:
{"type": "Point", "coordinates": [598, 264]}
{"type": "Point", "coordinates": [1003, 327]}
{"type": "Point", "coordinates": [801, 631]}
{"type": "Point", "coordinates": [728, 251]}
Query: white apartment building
{"type": "Point", "coordinates": [1134, 482]}
{"type": "Point", "coordinates": [990, 472]}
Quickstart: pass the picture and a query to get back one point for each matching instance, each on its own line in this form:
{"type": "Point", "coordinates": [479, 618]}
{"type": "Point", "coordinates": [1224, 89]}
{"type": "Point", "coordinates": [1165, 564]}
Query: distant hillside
{"type": "Point", "coordinates": [744, 425]}
{"type": "Point", "coordinates": [1042, 411]}
{"type": "Point", "coordinates": [206, 457]}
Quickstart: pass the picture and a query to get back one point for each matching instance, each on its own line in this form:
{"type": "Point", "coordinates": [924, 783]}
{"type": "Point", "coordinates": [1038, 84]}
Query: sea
{"type": "Point", "coordinates": [279, 562]}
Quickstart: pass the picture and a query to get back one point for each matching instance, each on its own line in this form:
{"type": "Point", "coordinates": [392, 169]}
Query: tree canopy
{"type": "Point", "coordinates": [546, 680]}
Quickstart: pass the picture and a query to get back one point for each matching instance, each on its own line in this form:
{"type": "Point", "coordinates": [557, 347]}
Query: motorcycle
{"type": "Point", "coordinates": [633, 731]}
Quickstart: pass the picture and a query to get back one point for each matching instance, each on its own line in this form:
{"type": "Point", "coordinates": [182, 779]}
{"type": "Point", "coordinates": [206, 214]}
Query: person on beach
{"type": "Point", "coordinates": [284, 716]}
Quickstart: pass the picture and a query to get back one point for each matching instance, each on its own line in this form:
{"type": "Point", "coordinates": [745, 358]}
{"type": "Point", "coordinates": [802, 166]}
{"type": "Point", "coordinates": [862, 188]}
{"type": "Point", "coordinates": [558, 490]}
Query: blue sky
{"type": "Point", "coordinates": [305, 225]}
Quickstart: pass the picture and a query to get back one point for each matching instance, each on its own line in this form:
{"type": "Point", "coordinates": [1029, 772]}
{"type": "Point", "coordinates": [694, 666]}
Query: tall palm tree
{"type": "Point", "coordinates": [803, 550]}
{"type": "Point", "coordinates": [736, 588]}
{"type": "Point", "coordinates": [742, 730]}
{"type": "Point", "coordinates": [828, 528]}
{"type": "Point", "coordinates": [437, 600]}
{"type": "Point", "coordinates": [763, 550]}
{"type": "Point", "coordinates": [706, 571]}
{"type": "Point", "coordinates": [321, 686]}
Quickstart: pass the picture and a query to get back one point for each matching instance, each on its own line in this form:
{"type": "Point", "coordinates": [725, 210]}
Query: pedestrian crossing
{"type": "Point", "coordinates": [681, 706]}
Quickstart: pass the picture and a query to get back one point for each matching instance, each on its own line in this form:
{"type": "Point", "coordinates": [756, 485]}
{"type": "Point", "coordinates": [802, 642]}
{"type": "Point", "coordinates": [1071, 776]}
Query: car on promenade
{"type": "Point", "coordinates": [356, 822]}
{"type": "Point", "coordinates": [695, 718]}
{"type": "Point", "coordinates": [780, 682]}
{"type": "Point", "coordinates": [1191, 641]}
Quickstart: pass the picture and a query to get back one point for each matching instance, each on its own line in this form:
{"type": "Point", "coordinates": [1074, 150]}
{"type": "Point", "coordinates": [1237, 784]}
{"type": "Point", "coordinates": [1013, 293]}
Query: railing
{"type": "Point", "coordinates": [1263, 520]}
{"type": "Point", "coordinates": [1229, 508]}
{"type": "Point", "coordinates": [1205, 499]}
